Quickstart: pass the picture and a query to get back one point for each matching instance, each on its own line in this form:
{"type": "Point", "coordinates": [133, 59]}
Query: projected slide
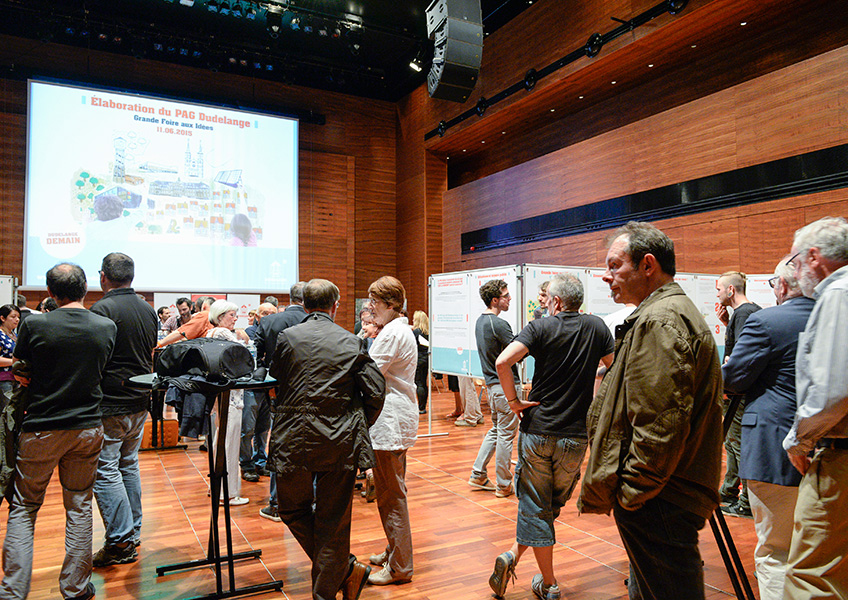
{"type": "Point", "coordinates": [201, 197]}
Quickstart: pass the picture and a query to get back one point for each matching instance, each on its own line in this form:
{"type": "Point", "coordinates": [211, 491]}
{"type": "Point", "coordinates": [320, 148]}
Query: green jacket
{"type": "Point", "coordinates": [655, 423]}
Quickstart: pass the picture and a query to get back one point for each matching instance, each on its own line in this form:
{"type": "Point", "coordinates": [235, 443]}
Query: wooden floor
{"type": "Point", "coordinates": [457, 533]}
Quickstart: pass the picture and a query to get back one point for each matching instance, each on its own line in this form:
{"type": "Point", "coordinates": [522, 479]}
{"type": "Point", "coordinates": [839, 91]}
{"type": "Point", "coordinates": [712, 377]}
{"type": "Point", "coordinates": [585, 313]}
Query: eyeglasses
{"type": "Point", "coordinates": [507, 296]}
{"type": "Point", "coordinates": [791, 261]}
{"type": "Point", "coordinates": [773, 281]}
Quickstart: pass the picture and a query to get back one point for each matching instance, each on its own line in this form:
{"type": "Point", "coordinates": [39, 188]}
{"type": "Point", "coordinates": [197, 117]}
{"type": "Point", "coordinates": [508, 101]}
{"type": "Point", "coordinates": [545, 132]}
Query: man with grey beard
{"type": "Point", "coordinates": [818, 441]}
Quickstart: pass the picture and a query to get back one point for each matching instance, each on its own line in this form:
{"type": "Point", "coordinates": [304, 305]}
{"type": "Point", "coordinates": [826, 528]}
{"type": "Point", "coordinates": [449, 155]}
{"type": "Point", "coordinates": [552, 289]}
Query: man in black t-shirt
{"type": "Point", "coordinates": [67, 349]}
{"type": "Point", "coordinates": [567, 347]}
{"type": "Point", "coordinates": [730, 292]}
{"type": "Point", "coordinates": [493, 334]}
{"type": "Point", "coordinates": [118, 485]}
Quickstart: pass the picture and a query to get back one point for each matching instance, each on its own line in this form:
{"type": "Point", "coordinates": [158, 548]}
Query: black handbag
{"type": "Point", "coordinates": [214, 359]}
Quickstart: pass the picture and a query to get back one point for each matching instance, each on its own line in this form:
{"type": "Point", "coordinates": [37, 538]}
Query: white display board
{"type": "Point", "coordinates": [455, 305]}
{"type": "Point", "coordinates": [7, 289]}
{"type": "Point", "coordinates": [759, 291]}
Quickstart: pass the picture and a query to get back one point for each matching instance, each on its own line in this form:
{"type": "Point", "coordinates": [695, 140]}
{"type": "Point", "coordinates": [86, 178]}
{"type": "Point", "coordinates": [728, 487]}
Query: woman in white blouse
{"type": "Point", "coordinates": [222, 315]}
{"type": "Point", "coordinates": [395, 352]}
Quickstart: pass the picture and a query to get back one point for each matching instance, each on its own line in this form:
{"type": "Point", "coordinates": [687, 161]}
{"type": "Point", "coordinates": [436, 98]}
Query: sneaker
{"type": "Point", "coordinates": [353, 584]}
{"type": "Point", "coordinates": [250, 476]}
{"type": "Point", "coordinates": [734, 510]}
{"type": "Point", "coordinates": [481, 420]}
{"type": "Point", "coordinates": [237, 501]}
{"type": "Point", "coordinates": [270, 513]}
{"type": "Point", "coordinates": [379, 559]}
{"type": "Point", "coordinates": [115, 555]}
{"type": "Point", "coordinates": [384, 577]}
{"type": "Point", "coordinates": [87, 594]}
{"type": "Point", "coordinates": [263, 471]}
{"type": "Point", "coordinates": [504, 492]}
{"type": "Point", "coordinates": [481, 483]}
{"type": "Point", "coordinates": [504, 571]}
{"type": "Point", "coordinates": [465, 423]}
{"type": "Point", "coordinates": [542, 591]}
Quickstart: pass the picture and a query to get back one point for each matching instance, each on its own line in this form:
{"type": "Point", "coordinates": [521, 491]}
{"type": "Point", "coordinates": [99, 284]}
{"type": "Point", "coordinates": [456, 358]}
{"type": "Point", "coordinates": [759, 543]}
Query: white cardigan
{"type": "Point", "coordinates": [396, 354]}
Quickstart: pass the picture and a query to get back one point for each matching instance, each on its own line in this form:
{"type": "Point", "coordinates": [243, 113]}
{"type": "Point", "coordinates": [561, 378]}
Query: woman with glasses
{"type": "Point", "coordinates": [395, 352]}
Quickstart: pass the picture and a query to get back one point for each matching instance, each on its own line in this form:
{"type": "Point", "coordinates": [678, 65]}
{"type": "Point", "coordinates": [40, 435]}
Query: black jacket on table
{"type": "Point", "coordinates": [329, 392]}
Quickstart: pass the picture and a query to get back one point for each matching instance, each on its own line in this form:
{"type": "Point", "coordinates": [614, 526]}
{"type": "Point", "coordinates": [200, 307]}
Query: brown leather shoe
{"type": "Point", "coordinates": [354, 583]}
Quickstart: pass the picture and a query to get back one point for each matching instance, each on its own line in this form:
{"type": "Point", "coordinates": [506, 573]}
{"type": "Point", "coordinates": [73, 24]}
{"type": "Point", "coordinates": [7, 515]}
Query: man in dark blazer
{"type": "Point", "coordinates": [266, 342]}
{"type": "Point", "coordinates": [271, 326]}
{"type": "Point", "coordinates": [763, 367]}
{"type": "Point", "coordinates": [329, 391]}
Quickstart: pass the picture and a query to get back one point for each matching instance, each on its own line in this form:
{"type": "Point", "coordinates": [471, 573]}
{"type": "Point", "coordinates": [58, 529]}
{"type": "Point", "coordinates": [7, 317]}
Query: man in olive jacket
{"type": "Point", "coordinates": [329, 392]}
{"type": "Point", "coordinates": [655, 425]}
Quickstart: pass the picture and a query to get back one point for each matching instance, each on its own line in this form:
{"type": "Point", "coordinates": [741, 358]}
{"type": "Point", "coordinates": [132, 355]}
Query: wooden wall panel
{"type": "Point", "coordinates": [707, 136]}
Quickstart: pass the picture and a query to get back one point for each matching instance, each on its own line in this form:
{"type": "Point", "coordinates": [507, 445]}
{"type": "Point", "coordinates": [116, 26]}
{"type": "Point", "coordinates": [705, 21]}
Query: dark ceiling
{"type": "Point", "coordinates": [359, 47]}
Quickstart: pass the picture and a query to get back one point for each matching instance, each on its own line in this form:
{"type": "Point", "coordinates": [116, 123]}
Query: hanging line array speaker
{"type": "Point", "coordinates": [456, 28]}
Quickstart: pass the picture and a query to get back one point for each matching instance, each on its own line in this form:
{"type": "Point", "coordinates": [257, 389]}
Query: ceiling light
{"type": "Point", "coordinates": [612, 82]}
{"type": "Point", "coordinates": [553, 110]}
{"type": "Point", "coordinates": [694, 45]}
{"type": "Point", "coordinates": [273, 20]}
{"type": "Point", "coordinates": [503, 132]}
{"type": "Point", "coordinates": [483, 141]}
{"type": "Point", "coordinates": [579, 97]}
{"type": "Point", "coordinates": [743, 23]}
{"type": "Point", "coordinates": [651, 66]}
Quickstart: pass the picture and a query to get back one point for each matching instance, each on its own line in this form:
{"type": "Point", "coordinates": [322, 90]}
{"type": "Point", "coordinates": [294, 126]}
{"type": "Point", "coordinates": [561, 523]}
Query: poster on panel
{"type": "Point", "coordinates": [476, 307]}
{"type": "Point", "coordinates": [758, 290]}
{"type": "Point", "coordinates": [449, 350]}
{"type": "Point", "coordinates": [534, 276]}
{"type": "Point", "coordinates": [707, 303]}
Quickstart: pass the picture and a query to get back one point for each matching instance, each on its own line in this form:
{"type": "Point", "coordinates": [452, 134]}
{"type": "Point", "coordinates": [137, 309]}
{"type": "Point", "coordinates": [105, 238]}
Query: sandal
{"type": "Point", "coordinates": [454, 414]}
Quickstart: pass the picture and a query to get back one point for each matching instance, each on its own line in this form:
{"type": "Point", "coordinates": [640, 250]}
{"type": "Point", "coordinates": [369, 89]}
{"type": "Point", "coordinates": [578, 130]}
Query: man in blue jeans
{"type": "Point", "coordinates": [567, 347]}
{"type": "Point", "coordinates": [493, 334]}
{"type": "Point", "coordinates": [118, 485]}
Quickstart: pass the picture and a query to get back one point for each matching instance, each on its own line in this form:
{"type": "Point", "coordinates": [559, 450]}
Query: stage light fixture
{"type": "Point", "coordinates": [295, 24]}
{"type": "Point", "coordinates": [415, 65]}
{"type": "Point", "coordinates": [250, 12]}
{"type": "Point", "coordinates": [212, 5]}
{"type": "Point", "coordinates": [187, 2]}
{"type": "Point", "coordinates": [224, 7]}
{"type": "Point", "coordinates": [237, 10]}
{"type": "Point", "coordinates": [273, 21]}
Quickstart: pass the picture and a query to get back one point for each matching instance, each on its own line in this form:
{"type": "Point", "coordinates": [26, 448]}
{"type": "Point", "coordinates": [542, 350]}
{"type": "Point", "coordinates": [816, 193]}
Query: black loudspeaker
{"type": "Point", "coordinates": [456, 28]}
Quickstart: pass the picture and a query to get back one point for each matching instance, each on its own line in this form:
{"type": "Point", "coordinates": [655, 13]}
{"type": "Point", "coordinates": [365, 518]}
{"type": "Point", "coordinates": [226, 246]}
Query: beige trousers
{"type": "Point", "coordinates": [390, 481]}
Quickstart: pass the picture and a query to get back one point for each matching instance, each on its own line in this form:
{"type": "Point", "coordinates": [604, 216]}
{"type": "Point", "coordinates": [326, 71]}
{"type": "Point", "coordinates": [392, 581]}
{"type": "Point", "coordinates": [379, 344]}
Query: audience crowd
{"type": "Point", "coordinates": [643, 399]}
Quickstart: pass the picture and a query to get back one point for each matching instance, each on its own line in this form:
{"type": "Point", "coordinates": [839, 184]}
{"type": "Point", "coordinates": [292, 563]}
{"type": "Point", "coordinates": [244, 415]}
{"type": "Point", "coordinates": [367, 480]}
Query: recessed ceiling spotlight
{"type": "Point", "coordinates": [612, 82]}
{"type": "Point", "coordinates": [651, 66]}
{"type": "Point", "coordinates": [503, 132]}
{"type": "Point", "coordinates": [743, 23]}
{"type": "Point", "coordinates": [463, 150]}
{"type": "Point", "coordinates": [482, 141]}
{"type": "Point", "coordinates": [694, 45]}
{"type": "Point", "coordinates": [579, 97]}
{"type": "Point", "coordinates": [553, 110]}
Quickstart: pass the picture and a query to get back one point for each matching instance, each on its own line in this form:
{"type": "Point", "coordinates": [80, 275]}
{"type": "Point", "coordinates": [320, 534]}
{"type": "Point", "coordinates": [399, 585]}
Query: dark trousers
{"type": "Point", "coordinates": [316, 506]}
{"type": "Point", "coordinates": [661, 540]}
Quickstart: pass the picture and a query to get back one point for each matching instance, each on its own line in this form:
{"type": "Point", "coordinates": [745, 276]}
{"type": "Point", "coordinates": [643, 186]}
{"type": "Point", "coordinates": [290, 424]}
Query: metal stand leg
{"type": "Point", "coordinates": [218, 483]}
